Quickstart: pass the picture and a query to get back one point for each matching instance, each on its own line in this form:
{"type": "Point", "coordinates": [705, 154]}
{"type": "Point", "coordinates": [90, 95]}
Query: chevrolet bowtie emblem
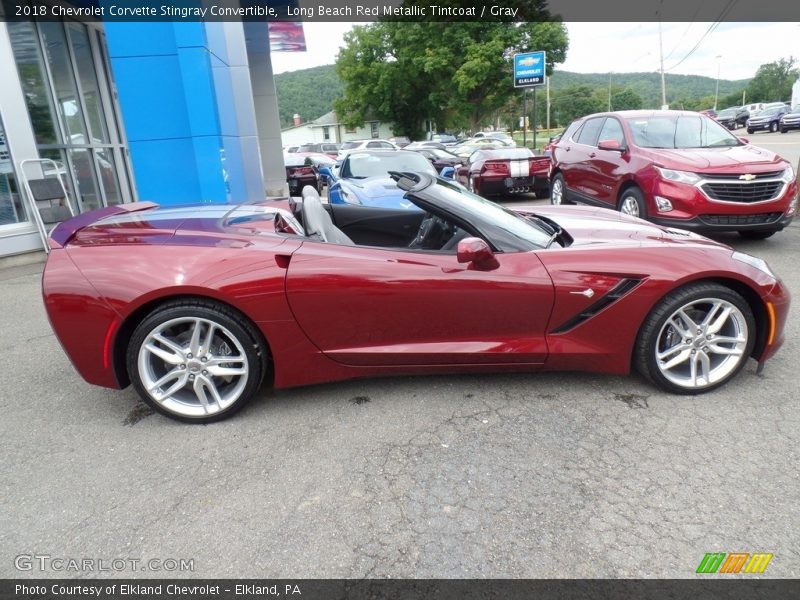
{"type": "Point", "coordinates": [747, 177]}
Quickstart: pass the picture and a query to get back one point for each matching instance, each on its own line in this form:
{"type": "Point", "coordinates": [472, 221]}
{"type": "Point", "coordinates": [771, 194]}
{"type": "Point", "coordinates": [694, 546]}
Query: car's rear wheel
{"type": "Point", "coordinates": [773, 127]}
{"type": "Point", "coordinates": [632, 203]}
{"type": "Point", "coordinates": [696, 339]}
{"type": "Point", "coordinates": [473, 185]}
{"type": "Point", "coordinates": [756, 235]}
{"type": "Point", "coordinates": [558, 191]}
{"type": "Point", "coordinates": [196, 360]}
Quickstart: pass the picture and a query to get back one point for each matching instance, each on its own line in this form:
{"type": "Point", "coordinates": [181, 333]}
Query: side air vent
{"type": "Point", "coordinates": [614, 294]}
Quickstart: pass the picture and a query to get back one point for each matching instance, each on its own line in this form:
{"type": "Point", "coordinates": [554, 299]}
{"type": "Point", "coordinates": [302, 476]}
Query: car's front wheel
{"type": "Point", "coordinates": [696, 339]}
{"type": "Point", "coordinates": [632, 203]}
{"type": "Point", "coordinates": [558, 191]}
{"type": "Point", "coordinates": [196, 360]}
{"type": "Point", "coordinates": [750, 131]}
{"type": "Point", "coordinates": [784, 130]}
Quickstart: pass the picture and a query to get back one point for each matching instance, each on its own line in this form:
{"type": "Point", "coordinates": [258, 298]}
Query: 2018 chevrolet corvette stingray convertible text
{"type": "Point", "coordinates": [197, 306]}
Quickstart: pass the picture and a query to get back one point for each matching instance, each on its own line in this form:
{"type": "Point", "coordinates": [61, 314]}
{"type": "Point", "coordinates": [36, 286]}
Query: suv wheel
{"type": "Point", "coordinates": [773, 127]}
{"type": "Point", "coordinates": [632, 203]}
{"type": "Point", "coordinates": [750, 131]}
{"type": "Point", "coordinates": [558, 191]}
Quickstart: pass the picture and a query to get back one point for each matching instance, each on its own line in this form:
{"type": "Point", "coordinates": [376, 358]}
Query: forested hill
{"type": "Point", "coordinates": [311, 92]}
{"type": "Point", "coordinates": [648, 85]}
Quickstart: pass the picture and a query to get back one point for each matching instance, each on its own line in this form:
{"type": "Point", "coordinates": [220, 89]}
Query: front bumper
{"type": "Point", "coordinates": [759, 126]}
{"type": "Point", "coordinates": [790, 125]}
{"type": "Point", "coordinates": [721, 223]}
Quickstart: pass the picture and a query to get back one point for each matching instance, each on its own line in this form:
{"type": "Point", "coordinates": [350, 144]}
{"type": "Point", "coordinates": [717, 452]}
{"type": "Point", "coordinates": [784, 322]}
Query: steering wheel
{"type": "Point", "coordinates": [432, 234]}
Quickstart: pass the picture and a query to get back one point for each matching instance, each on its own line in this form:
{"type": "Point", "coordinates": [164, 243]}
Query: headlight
{"type": "Point", "coordinates": [349, 196]}
{"type": "Point", "coordinates": [678, 176]}
{"type": "Point", "coordinates": [788, 175]}
{"type": "Point", "coordinates": [758, 263]}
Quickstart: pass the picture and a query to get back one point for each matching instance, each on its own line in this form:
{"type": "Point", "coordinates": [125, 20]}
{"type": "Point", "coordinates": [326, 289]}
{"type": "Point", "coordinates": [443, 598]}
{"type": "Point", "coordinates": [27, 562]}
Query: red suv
{"type": "Point", "coordinates": [674, 168]}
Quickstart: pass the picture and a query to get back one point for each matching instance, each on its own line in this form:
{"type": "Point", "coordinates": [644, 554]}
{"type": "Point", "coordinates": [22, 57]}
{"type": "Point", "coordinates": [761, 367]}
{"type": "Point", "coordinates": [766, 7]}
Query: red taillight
{"type": "Point", "coordinates": [497, 168]}
{"type": "Point", "coordinates": [301, 171]}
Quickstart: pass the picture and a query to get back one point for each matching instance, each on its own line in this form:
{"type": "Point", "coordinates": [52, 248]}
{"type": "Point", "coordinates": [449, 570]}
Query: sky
{"type": "Point", "coordinates": [620, 47]}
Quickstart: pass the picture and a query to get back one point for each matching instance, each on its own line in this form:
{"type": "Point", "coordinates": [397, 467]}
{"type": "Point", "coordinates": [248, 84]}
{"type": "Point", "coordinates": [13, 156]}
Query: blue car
{"type": "Point", "coordinates": [363, 178]}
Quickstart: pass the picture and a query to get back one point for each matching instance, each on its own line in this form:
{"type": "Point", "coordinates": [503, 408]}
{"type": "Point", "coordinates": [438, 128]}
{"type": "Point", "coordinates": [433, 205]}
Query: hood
{"type": "Point", "coordinates": [380, 191]}
{"type": "Point", "coordinates": [588, 225]}
{"type": "Point", "coordinates": [734, 159]}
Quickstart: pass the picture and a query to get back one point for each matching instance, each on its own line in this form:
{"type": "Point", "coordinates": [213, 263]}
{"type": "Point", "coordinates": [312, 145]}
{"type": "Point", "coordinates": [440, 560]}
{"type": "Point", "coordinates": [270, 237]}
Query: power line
{"type": "Point", "coordinates": [710, 30]}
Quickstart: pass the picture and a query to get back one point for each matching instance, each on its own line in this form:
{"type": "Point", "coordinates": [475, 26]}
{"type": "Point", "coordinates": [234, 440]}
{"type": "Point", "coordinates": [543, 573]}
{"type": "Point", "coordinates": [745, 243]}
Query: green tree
{"type": "Point", "coordinates": [456, 73]}
{"type": "Point", "coordinates": [575, 101]}
{"type": "Point", "coordinates": [626, 99]}
{"type": "Point", "coordinates": [773, 81]}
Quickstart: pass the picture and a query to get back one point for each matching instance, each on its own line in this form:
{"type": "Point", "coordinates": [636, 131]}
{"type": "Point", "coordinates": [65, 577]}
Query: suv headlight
{"type": "Point", "coordinates": [678, 176]}
{"type": "Point", "coordinates": [788, 175]}
{"type": "Point", "coordinates": [753, 261]}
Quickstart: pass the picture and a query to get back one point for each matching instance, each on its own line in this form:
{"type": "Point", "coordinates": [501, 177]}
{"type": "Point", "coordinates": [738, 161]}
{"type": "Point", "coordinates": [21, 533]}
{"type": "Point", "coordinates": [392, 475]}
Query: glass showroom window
{"type": "Point", "coordinates": [66, 86]}
{"type": "Point", "coordinates": [11, 210]}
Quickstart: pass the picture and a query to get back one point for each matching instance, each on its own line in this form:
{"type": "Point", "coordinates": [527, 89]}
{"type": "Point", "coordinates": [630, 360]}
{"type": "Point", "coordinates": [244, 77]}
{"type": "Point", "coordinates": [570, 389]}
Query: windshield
{"type": "Point", "coordinates": [442, 153]}
{"type": "Point", "coordinates": [680, 131]}
{"type": "Point", "coordinates": [767, 112]}
{"type": "Point", "coordinates": [511, 223]}
{"type": "Point", "coordinates": [728, 112]}
{"type": "Point", "coordinates": [350, 145]}
{"type": "Point", "coordinates": [360, 165]}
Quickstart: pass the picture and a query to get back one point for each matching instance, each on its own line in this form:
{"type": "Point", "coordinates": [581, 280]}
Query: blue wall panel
{"type": "Point", "coordinates": [179, 111]}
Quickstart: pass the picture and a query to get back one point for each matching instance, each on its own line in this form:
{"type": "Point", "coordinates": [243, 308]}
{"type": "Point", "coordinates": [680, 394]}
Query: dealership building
{"type": "Point", "coordinates": [176, 113]}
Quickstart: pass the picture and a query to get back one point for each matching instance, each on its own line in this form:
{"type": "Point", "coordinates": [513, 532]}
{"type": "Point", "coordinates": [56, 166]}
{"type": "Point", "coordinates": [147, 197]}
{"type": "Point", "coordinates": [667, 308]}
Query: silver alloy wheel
{"type": "Point", "coordinates": [557, 194]}
{"type": "Point", "coordinates": [629, 206]}
{"type": "Point", "coordinates": [192, 366]}
{"type": "Point", "coordinates": [702, 343]}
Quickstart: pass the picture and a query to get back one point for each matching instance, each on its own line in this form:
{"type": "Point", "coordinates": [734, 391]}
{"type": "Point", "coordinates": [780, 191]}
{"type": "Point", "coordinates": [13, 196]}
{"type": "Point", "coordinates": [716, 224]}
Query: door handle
{"type": "Point", "coordinates": [592, 155]}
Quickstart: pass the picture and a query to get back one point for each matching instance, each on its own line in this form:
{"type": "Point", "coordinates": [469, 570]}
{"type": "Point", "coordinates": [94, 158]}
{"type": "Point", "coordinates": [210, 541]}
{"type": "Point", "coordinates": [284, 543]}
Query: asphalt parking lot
{"type": "Point", "coordinates": [541, 475]}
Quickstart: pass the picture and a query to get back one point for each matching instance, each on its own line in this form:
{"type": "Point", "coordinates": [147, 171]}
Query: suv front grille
{"type": "Point", "coordinates": [759, 219]}
{"type": "Point", "coordinates": [754, 191]}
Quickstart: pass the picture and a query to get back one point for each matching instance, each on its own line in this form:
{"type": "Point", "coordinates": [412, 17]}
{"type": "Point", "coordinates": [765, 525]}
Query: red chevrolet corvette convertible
{"type": "Point", "coordinates": [198, 306]}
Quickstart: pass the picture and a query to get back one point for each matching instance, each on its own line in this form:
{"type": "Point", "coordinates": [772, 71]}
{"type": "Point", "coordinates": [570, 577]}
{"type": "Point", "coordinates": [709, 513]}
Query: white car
{"type": "Point", "coordinates": [499, 136]}
{"type": "Point", "coordinates": [372, 144]}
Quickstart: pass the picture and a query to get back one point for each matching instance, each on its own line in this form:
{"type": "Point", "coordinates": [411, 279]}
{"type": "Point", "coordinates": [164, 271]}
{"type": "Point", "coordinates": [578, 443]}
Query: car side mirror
{"type": "Point", "coordinates": [477, 253]}
{"type": "Point", "coordinates": [327, 172]}
{"type": "Point", "coordinates": [610, 145]}
{"type": "Point", "coordinates": [448, 172]}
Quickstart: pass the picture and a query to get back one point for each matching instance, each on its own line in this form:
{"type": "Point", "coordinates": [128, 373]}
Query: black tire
{"type": "Point", "coordinates": [473, 186]}
{"type": "Point", "coordinates": [655, 332]}
{"type": "Point", "coordinates": [559, 198]}
{"type": "Point", "coordinates": [756, 235]}
{"type": "Point", "coordinates": [234, 337]}
{"type": "Point", "coordinates": [750, 131]}
{"type": "Point", "coordinates": [773, 127]}
{"type": "Point", "coordinates": [784, 130]}
{"type": "Point", "coordinates": [631, 202]}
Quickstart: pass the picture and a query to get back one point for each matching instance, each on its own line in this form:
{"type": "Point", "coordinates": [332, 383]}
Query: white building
{"type": "Point", "coordinates": [328, 129]}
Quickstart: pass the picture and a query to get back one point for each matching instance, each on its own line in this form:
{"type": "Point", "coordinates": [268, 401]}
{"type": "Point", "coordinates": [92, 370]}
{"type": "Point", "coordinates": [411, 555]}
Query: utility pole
{"type": "Point", "coordinates": [609, 91]}
{"type": "Point", "coordinates": [716, 92]}
{"type": "Point", "coordinates": [663, 80]}
{"type": "Point", "coordinates": [524, 116]}
{"type": "Point", "coordinates": [547, 90]}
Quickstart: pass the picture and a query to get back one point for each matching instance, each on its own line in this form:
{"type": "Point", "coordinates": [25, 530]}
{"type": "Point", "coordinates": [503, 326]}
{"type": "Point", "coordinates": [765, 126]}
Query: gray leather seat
{"type": "Point", "coordinates": [317, 222]}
